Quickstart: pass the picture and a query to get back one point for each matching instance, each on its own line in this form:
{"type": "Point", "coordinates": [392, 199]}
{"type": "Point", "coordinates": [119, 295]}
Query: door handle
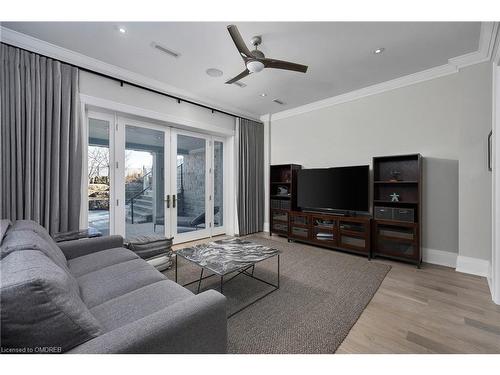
{"type": "Point", "coordinates": [168, 200]}
{"type": "Point", "coordinates": [489, 151]}
{"type": "Point", "coordinates": [174, 199]}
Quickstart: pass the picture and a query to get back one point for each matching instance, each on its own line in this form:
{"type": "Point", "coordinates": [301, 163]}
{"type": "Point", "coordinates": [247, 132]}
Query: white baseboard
{"type": "Point", "coordinates": [440, 257]}
{"type": "Point", "coordinates": [266, 227]}
{"type": "Point", "coordinates": [474, 266]}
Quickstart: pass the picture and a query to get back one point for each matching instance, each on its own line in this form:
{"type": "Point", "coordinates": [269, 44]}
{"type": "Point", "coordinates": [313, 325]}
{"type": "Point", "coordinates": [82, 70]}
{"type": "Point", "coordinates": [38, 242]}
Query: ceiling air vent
{"type": "Point", "coordinates": [240, 84]}
{"type": "Point", "coordinates": [166, 50]}
{"type": "Point", "coordinates": [277, 101]}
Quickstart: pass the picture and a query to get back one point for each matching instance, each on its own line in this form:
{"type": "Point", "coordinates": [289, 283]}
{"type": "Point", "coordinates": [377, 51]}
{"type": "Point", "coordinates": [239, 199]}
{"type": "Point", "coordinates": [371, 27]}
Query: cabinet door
{"type": "Point", "coordinates": [354, 235]}
{"type": "Point", "coordinates": [396, 240]}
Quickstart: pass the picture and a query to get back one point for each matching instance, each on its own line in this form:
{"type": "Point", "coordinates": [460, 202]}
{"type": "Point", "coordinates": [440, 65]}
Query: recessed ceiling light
{"type": "Point", "coordinates": [212, 72]}
{"type": "Point", "coordinates": [378, 51]}
{"type": "Point", "coordinates": [122, 30]}
{"type": "Point", "coordinates": [263, 94]}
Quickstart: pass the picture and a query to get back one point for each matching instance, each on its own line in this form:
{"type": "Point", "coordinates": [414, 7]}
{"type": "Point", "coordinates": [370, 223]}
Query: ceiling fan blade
{"type": "Point", "coordinates": [239, 76]}
{"type": "Point", "coordinates": [238, 41]}
{"type": "Point", "coordinates": [279, 64]}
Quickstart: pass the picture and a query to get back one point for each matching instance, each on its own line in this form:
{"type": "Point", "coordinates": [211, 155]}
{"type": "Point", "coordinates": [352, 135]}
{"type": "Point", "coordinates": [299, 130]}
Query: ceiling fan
{"type": "Point", "coordinates": [255, 60]}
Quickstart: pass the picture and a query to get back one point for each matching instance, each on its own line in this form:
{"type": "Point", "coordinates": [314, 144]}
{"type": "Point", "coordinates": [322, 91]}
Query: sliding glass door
{"type": "Point", "coordinates": [145, 178]}
{"type": "Point", "coordinates": [144, 181]}
{"type": "Point", "coordinates": [190, 188]}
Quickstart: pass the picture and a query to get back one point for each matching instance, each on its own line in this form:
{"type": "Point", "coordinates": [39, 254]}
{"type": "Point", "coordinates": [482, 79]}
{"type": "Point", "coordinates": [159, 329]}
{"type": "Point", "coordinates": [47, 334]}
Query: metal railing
{"type": "Point", "coordinates": [131, 200]}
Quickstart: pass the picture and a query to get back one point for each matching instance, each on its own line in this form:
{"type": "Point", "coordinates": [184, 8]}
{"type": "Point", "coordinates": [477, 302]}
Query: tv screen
{"type": "Point", "coordinates": [342, 188]}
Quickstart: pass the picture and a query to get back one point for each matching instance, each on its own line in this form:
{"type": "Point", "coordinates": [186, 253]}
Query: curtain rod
{"type": "Point", "coordinates": [122, 82]}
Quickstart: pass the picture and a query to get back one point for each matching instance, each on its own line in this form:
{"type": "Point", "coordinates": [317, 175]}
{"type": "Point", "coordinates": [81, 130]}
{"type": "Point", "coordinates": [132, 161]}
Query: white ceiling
{"type": "Point", "coordinates": [339, 54]}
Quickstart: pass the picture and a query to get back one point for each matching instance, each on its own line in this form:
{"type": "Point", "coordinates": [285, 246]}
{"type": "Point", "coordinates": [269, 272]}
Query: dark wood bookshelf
{"type": "Point", "coordinates": [282, 176]}
{"type": "Point", "coordinates": [396, 228]}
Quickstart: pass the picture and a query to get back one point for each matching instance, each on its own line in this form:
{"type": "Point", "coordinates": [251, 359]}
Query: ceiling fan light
{"type": "Point", "coordinates": [255, 66]}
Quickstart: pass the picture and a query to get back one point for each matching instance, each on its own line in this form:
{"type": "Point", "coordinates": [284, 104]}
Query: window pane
{"type": "Point", "coordinates": [98, 176]}
{"type": "Point", "coordinates": [144, 181]}
{"type": "Point", "coordinates": [191, 158]}
{"type": "Point", "coordinates": [218, 184]}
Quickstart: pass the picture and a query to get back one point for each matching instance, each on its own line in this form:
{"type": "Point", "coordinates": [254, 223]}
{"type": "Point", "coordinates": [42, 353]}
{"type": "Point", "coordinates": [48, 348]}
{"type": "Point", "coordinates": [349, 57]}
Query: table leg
{"type": "Point", "coordinates": [199, 282]}
{"type": "Point", "coordinates": [278, 271]}
{"type": "Point", "coordinates": [176, 268]}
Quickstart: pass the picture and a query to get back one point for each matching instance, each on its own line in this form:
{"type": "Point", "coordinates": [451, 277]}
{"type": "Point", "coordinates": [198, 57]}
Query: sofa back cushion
{"type": "Point", "coordinates": [17, 240]}
{"type": "Point", "coordinates": [4, 225]}
{"type": "Point", "coordinates": [34, 227]}
{"type": "Point", "coordinates": [40, 307]}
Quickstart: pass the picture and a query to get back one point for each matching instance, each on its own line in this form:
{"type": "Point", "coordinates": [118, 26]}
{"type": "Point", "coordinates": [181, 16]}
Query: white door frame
{"type": "Point", "coordinates": [222, 229]}
{"type": "Point", "coordinates": [120, 130]}
{"type": "Point", "coordinates": [110, 118]}
{"type": "Point", "coordinates": [111, 111]}
{"type": "Point", "coordinates": [202, 233]}
{"type": "Point", "coordinates": [495, 256]}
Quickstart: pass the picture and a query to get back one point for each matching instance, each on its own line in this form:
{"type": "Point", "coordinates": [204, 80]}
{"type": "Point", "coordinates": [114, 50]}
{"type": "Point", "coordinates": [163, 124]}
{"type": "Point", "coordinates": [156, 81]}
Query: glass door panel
{"type": "Point", "coordinates": [98, 171]}
{"type": "Point", "coordinates": [144, 181]}
{"type": "Point", "coordinates": [218, 182]}
{"type": "Point", "coordinates": [191, 186]}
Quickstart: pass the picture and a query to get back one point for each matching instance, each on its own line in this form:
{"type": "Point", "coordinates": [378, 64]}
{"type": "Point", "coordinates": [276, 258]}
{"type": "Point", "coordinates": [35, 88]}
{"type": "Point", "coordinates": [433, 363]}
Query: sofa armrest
{"type": "Point", "coordinates": [197, 324]}
{"type": "Point", "coordinates": [85, 246]}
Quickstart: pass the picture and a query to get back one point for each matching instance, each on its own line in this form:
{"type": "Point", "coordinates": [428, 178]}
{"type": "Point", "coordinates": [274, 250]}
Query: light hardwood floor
{"type": "Point", "coordinates": [429, 310]}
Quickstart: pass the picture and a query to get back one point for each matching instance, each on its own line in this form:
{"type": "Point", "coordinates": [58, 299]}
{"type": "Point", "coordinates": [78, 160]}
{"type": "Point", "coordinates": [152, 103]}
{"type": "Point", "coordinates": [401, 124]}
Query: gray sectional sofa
{"type": "Point", "coordinates": [94, 296]}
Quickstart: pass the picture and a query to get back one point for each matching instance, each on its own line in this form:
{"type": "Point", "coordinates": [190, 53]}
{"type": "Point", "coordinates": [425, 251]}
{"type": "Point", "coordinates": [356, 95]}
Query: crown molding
{"type": "Point", "coordinates": [45, 48]}
{"type": "Point", "coordinates": [484, 53]}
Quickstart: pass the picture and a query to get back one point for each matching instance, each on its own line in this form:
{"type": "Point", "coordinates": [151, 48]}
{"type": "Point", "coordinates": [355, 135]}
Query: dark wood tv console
{"type": "Point", "coordinates": [345, 233]}
{"type": "Point", "coordinates": [394, 232]}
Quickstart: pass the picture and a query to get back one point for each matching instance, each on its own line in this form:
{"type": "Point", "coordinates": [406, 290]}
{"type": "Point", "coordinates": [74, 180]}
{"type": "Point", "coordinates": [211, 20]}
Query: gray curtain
{"type": "Point", "coordinates": [40, 148]}
{"type": "Point", "coordinates": [250, 194]}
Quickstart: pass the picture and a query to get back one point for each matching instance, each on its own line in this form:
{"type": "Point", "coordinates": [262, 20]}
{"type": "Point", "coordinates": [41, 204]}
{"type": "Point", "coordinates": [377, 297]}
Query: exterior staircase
{"type": "Point", "coordinates": [143, 209]}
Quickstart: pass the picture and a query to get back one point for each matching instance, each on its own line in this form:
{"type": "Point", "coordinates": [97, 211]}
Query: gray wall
{"type": "Point", "coordinates": [446, 120]}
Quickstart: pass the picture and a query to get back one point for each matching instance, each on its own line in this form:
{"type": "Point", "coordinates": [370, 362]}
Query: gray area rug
{"type": "Point", "coordinates": [322, 294]}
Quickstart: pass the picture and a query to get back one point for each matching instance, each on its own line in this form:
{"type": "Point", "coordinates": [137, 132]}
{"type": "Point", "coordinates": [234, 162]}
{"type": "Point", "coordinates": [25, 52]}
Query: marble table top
{"type": "Point", "coordinates": [226, 256]}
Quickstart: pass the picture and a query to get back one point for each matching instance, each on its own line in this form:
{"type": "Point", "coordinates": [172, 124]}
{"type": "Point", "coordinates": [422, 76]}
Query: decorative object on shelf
{"type": "Point", "coordinates": [286, 176]}
{"type": "Point", "coordinates": [394, 197]}
{"type": "Point", "coordinates": [395, 175]}
{"type": "Point", "coordinates": [283, 190]}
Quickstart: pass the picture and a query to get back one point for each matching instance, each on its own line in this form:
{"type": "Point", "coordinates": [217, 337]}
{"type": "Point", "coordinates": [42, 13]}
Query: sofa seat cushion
{"type": "Point", "coordinates": [40, 307]}
{"type": "Point", "coordinates": [100, 259]}
{"type": "Point", "coordinates": [113, 281]}
{"type": "Point", "coordinates": [139, 304]}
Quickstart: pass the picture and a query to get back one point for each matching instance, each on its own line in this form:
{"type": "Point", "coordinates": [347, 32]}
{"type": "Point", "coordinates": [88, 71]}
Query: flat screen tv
{"type": "Point", "coordinates": [333, 189]}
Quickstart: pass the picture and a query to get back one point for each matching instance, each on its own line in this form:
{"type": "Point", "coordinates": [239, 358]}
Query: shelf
{"type": "Point", "coordinates": [403, 202]}
{"type": "Point", "coordinates": [395, 182]}
{"type": "Point", "coordinates": [281, 183]}
{"type": "Point", "coordinates": [280, 196]}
